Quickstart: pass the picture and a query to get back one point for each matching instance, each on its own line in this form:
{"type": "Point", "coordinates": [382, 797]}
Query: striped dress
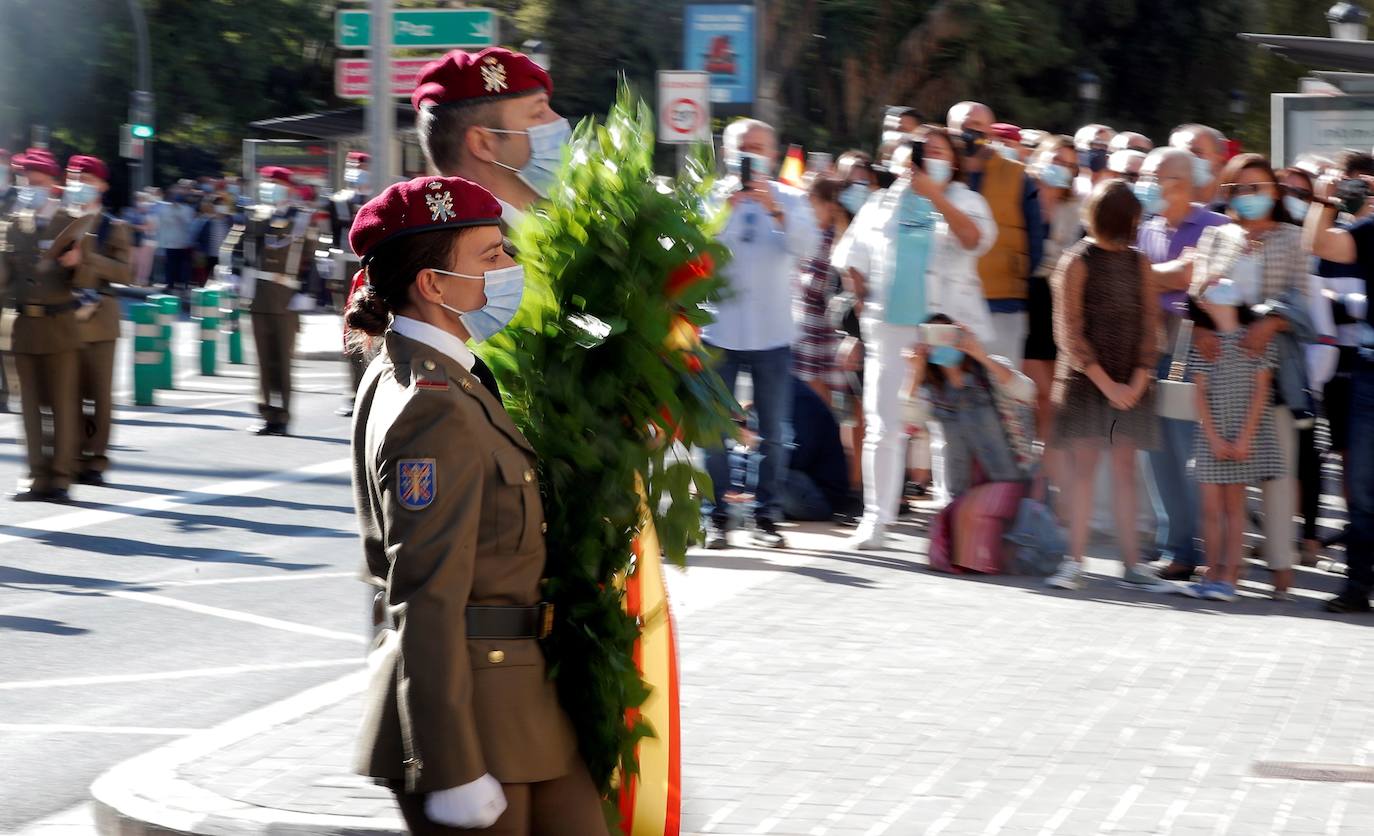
{"type": "Point", "coordinates": [813, 352]}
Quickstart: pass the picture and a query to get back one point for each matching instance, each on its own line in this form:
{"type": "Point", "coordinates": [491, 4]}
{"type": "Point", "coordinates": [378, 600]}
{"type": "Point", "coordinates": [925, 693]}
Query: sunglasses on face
{"type": "Point", "coordinates": [1242, 189]}
{"type": "Point", "coordinates": [1305, 195]}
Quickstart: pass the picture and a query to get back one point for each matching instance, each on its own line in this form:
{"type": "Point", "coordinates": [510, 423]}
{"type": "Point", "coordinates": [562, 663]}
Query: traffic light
{"type": "Point", "coordinates": [142, 131]}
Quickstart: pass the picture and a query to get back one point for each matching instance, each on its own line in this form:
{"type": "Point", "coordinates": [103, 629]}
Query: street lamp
{"type": "Point", "coordinates": [1348, 22]}
{"type": "Point", "coordinates": [536, 52]}
{"type": "Point", "coordinates": [1089, 92]}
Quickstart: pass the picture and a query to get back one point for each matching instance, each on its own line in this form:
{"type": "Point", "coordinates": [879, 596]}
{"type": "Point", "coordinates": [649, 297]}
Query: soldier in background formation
{"type": "Point", "coordinates": [343, 208]}
{"type": "Point", "coordinates": [40, 250]}
{"type": "Point", "coordinates": [272, 251]}
{"type": "Point", "coordinates": [106, 260]}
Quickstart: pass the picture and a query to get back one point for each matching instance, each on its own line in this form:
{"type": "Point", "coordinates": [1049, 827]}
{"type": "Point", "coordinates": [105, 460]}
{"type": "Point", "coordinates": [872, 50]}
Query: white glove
{"type": "Point", "coordinates": [472, 806]}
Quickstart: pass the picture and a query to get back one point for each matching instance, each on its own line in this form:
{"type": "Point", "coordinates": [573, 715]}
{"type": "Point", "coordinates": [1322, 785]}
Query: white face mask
{"type": "Point", "coordinates": [546, 153]}
{"type": "Point", "coordinates": [271, 193]}
{"type": "Point", "coordinates": [78, 195]}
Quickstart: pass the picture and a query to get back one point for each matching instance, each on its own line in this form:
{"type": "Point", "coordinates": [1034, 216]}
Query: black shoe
{"type": "Point", "coordinates": [344, 411]}
{"type": "Point", "coordinates": [268, 428]}
{"type": "Point", "coordinates": [29, 495]}
{"type": "Point", "coordinates": [1177, 572]}
{"type": "Point", "coordinates": [767, 535]}
{"type": "Point", "coordinates": [58, 495]}
{"type": "Point", "coordinates": [1344, 604]}
{"type": "Point", "coordinates": [715, 536]}
{"type": "Point", "coordinates": [90, 477]}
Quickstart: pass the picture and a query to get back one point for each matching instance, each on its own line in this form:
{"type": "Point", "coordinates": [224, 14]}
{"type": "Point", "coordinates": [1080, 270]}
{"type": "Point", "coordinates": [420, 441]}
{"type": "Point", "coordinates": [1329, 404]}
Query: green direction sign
{"type": "Point", "coordinates": [421, 28]}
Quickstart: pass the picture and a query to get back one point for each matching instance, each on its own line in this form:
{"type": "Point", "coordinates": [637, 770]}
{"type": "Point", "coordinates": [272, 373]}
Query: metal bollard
{"type": "Point", "coordinates": [229, 322]}
{"type": "Point", "coordinates": [205, 307]}
{"type": "Point", "coordinates": [168, 309]}
{"type": "Point", "coordinates": [147, 355]}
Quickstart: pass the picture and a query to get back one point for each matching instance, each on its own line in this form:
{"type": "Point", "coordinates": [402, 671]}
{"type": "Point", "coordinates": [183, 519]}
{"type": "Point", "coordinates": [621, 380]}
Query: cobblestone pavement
{"type": "Point", "coordinates": [833, 692]}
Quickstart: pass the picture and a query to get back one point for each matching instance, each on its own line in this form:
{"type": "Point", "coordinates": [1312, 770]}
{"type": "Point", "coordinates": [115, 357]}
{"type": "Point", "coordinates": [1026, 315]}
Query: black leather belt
{"type": "Point", "coordinates": [510, 622]}
{"type": "Point", "coordinates": [46, 310]}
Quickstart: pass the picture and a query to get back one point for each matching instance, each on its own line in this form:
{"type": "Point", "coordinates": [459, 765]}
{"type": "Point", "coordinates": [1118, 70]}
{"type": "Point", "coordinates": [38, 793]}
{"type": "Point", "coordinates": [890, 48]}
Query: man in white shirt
{"type": "Point", "coordinates": [771, 228]}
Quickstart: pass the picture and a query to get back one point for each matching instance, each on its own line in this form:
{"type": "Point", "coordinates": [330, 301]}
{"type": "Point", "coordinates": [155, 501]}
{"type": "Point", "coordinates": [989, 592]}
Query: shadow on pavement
{"type": "Point", "coordinates": [128, 547]}
{"type": "Point", "coordinates": [39, 625]}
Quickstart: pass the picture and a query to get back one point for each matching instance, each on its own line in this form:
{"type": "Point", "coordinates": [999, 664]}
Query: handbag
{"type": "Point", "coordinates": [1038, 540]}
{"type": "Point", "coordinates": [1177, 398]}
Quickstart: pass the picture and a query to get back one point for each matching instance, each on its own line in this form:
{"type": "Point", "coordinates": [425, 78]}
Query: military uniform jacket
{"type": "Point", "coordinates": [103, 265]}
{"type": "Point", "coordinates": [450, 513]}
{"type": "Point", "coordinates": [267, 247]}
{"type": "Point", "coordinates": [343, 208]}
{"type": "Point", "coordinates": [30, 275]}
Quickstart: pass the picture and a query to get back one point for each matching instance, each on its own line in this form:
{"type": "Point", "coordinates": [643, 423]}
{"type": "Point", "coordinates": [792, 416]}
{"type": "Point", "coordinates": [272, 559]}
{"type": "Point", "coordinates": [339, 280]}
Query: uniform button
{"type": "Point", "coordinates": [429, 365]}
{"type": "Point", "coordinates": [543, 528]}
{"type": "Point", "coordinates": [467, 387]}
{"type": "Point", "coordinates": [529, 475]}
{"type": "Point", "coordinates": [496, 657]}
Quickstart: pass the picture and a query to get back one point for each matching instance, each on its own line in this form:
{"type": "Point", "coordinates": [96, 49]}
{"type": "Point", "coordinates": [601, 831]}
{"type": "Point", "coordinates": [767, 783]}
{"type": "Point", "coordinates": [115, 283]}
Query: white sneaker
{"type": "Point", "coordinates": [870, 537]}
{"type": "Point", "coordinates": [1069, 576]}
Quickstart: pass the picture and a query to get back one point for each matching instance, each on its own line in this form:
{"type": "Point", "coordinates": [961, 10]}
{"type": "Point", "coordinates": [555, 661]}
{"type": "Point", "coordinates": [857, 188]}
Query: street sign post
{"type": "Point", "coordinates": [684, 106]}
{"type": "Point", "coordinates": [353, 76]}
{"type": "Point", "coordinates": [421, 29]}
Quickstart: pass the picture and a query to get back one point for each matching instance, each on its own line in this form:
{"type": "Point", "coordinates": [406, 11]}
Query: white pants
{"type": "Point", "coordinates": [1009, 336]}
{"type": "Point", "coordinates": [1280, 495]}
{"type": "Point", "coordinates": [884, 454]}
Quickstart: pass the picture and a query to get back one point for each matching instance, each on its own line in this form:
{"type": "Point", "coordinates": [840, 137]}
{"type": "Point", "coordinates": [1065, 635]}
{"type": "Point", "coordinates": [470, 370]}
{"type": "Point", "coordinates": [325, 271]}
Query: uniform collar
{"type": "Point", "coordinates": [436, 338]}
{"type": "Point", "coordinates": [510, 216]}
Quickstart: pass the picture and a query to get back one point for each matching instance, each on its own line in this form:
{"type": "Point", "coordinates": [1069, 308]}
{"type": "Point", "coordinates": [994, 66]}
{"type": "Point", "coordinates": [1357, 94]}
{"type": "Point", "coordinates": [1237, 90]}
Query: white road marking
{"type": "Point", "coordinates": [187, 673]}
{"type": "Point", "coordinates": [55, 728]}
{"type": "Point", "coordinates": [246, 617]}
{"type": "Point", "coordinates": [62, 523]}
{"type": "Point", "coordinates": [294, 576]}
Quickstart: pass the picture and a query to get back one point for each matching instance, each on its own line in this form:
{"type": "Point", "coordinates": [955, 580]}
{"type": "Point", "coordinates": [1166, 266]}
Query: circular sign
{"type": "Point", "coordinates": [685, 116]}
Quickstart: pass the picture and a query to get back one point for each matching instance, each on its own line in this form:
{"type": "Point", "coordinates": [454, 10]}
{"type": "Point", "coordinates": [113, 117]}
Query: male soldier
{"type": "Point", "coordinates": [343, 208]}
{"type": "Point", "coordinates": [106, 261]}
{"type": "Point", "coordinates": [273, 249]}
{"type": "Point", "coordinates": [40, 249]}
{"type": "Point", "coordinates": [486, 117]}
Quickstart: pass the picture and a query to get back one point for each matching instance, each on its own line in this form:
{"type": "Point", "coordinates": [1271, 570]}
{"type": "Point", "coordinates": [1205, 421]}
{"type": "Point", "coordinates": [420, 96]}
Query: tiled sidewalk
{"type": "Point", "coordinates": [833, 692]}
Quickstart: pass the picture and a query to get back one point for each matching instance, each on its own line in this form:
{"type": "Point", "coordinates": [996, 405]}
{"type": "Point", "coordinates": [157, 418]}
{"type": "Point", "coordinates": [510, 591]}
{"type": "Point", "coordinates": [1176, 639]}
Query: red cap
{"type": "Point", "coordinates": [359, 157]}
{"type": "Point", "coordinates": [278, 173]}
{"type": "Point", "coordinates": [38, 159]}
{"type": "Point", "coordinates": [89, 165]}
{"type": "Point", "coordinates": [1007, 131]}
{"type": "Point", "coordinates": [421, 205]}
{"type": "Point", "coordinates": [493, 73]}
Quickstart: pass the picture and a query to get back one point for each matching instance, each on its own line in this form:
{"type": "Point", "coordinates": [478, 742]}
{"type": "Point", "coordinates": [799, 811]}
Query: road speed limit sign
{"type": "Point", "coordinates": [684, 106]}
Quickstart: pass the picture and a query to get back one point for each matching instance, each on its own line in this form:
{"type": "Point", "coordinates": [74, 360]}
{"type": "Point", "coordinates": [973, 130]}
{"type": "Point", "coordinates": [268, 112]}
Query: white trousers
{"type": "Point", "coordinates": [1009, 336]}
{"type": "Point", "coordinates": [884, 453]}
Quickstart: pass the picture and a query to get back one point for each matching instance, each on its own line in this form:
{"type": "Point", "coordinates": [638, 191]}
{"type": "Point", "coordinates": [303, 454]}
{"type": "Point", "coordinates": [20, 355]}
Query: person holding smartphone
{"type": "Point", "coordinates": [912, 251]}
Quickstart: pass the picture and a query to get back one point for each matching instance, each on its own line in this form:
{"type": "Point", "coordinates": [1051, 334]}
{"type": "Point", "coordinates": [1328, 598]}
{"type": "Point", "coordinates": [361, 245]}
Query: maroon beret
{"type": "Point", "coordinates": [421, 205]}
{"type": "Point", "coordinates": [1007, 131]}
{"type": "Point", "coordinates": [279, 173]}
{"type": "Point", "coordinates": [493, 73]}
{"type": "Point", "coordinates": [38, 159]}
{"type": "Point", "coordinates": [359, 157]}
{"type": "Point", "coordinates": [89, 165]}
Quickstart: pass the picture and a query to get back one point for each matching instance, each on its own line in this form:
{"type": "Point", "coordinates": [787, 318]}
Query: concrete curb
{"type": "Point", "coordinates": [145, 796]}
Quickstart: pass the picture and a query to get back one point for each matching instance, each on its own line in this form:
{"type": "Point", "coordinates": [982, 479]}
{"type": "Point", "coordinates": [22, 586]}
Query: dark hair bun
{"type": "Point", "coordinates": [367, 313]}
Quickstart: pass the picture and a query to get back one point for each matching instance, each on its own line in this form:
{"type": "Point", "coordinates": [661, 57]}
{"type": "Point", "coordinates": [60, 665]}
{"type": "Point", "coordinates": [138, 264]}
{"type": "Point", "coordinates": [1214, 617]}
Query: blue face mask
{"type": "Point", "coordinates": [1297, 207]}
{"type": "Point", "coordinates": [1202, 172]}
{"type": "Point", "coordinates": [1151, 196]}
{"type": "Point", "coordinates": [78, 195]}
{"type": "Point", "coordinates": [1252, 207]}
{"type": "Point", "coordinates": [947, 356]}
{"type": "Point", "coordinates": [854, 197]}
{"type": "Point", "coordinates": [356, 178]}
{"type": "Point", "coordinates": [30, 197]}
{"type": "Point", "coordinates": [546, 153]}
{"type": "Point", "coordinates": [271, 193]}
{"type": "Point", "coordinates": [939, 170]}
{"type": "Point", "coordinates": [1056, 176]}
{"type": "Point", "coordinates": [504, 289]}
{"type": "Point", "coordinates": [1224, 292]}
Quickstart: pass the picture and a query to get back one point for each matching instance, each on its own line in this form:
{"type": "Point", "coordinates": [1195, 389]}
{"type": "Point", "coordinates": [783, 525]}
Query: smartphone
{"type": "Point", "coordinates": [918, 153]}
{"type": "Point", "coordinates": [746, 173]}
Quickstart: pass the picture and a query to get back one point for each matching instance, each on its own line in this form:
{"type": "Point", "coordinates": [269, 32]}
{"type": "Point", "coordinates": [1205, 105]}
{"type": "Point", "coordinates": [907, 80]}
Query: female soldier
{"type": "Point", "coordinates": [462, 720]}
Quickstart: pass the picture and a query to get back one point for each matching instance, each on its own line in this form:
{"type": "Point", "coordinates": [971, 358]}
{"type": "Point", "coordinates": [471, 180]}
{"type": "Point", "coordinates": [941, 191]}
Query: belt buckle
{"type": "Point", "coordinates": [34, 310]}
{"type": "Point", "coordinates": [546, 621]}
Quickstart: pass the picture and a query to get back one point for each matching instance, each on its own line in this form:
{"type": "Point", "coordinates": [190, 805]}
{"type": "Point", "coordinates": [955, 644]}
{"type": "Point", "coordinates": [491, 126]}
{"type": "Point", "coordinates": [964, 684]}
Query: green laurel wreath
{"type": "Point", "coordinates": [615, 261]}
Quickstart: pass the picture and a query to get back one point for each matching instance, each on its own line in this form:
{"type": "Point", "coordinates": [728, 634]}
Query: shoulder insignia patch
{"type": "Point", "coordinates": [417, 483]}
{"type": "Point", "coordinates": [423, 383]}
